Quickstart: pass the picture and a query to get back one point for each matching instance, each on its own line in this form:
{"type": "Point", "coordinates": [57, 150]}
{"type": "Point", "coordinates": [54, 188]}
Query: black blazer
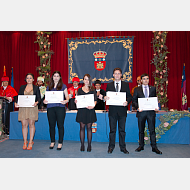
{"type": "Point", "coordinates": [138, 93]}
{"type": "Point", "coordinates": [100, 105]}
{"type": "Point", "coordinates": [120, 110]}
{"type": "Point", "coordinates": [36, 92]}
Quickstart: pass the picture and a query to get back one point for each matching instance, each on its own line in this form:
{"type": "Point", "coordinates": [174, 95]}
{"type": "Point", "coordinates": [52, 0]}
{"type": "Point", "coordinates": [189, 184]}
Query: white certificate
{"type": "Point", "coordinates": [116, 98]}
{"type": "Point", "coordinates": [26, 100]}
{"type": "Point", "coordinates": [84, 101]}
{"type": "Point", "coordinates": [148, 103]}
{"type": "Point", "coordinates": [54, 96]}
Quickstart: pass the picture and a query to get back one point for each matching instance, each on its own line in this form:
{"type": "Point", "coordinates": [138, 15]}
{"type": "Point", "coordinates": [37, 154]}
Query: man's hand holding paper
{"type": "Point", "coordinates": [116, 98]}
{"type": "Point", "coordinates": [146, 104]}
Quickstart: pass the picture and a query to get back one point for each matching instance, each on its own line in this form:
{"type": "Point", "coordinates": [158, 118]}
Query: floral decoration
{"type": "Point", "coordinates": [167, 121]}
{"type": "Point", "coordinates": [45, 55]}
{"type": "Point", "coordinates": [161, 71]}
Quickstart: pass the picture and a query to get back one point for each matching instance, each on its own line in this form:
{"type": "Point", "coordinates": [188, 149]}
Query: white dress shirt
{"type": "Point", "coordinates": [143, 87]}
{"type": "Point", "coordinates": [119, 85]}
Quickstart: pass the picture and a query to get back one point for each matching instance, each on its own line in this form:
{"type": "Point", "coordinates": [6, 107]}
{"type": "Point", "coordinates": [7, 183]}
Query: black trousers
{"type": "Point", "coordinates": [151, 126]}
{"type": "Point", "coordinates": [121, 127]}
{"type": "Point", "coordinates": [8, 107]}
{"type": "Point", "coordinates": [56, 114]}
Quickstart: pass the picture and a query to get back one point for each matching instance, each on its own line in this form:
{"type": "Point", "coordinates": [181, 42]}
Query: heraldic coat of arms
{"type": "Point", "coordinates": [100, 61]}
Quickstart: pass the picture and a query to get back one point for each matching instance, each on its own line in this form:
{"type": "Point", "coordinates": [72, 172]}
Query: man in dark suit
{"type": "Point", "coordinates": [100, 105]}
{"type": "Point", "coordinates": [118, 113]}
{"type": "Point", "coordinates": [145, 91]}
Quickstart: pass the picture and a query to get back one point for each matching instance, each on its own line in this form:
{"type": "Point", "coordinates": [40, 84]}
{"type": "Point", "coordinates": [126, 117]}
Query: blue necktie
{"type": "Point", "coordinates": [146, 92]}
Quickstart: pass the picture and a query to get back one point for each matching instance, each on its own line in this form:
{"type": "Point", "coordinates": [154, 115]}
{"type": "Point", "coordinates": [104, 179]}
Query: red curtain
{"type": "Point", "coordinates": [18, 50]}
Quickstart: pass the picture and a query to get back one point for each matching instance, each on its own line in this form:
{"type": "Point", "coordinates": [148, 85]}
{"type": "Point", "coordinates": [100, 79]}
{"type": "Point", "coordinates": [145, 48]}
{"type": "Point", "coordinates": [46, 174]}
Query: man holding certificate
{"type": "Point", "coordinates": [145, 101]}
{"type": "Point", "coordinates": [118, 97]}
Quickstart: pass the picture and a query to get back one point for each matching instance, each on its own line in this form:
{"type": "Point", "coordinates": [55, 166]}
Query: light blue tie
{"type": "Point", "coordinates": [146, 92]}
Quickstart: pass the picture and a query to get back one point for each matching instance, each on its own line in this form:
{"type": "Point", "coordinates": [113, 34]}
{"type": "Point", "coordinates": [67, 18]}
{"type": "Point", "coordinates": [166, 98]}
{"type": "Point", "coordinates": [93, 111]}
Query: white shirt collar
{"type": "Point", "coordinates": [144, 85]}
{"type": "Point", "coordinates": [117, 82]}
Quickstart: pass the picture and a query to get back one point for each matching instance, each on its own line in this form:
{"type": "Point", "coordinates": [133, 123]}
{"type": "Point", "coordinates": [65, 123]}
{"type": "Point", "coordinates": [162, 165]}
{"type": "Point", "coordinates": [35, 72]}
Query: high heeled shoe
{"type": "Point", "coordinates": [30, 146]}
{"type": "Point", "coordinates": [59, 148]}
{"type": "Point", "coordinates": [82, 148]}
{"type": "Point", "coordinates": [89, 149]}
{"type": "Point", "coordinates": [51, 147]}
{"type": "Point", "coordinates": [25, 145]}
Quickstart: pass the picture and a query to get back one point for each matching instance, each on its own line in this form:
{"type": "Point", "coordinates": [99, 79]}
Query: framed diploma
{"type": "Point", "coordinates": [26, 100]}
{"type": "Point", "coordinates": [148, 103]}
{"type": "Point", "coordinates": [84, 101]}
{"type": "Point", "coordinates": [116, 98]}
{"type": "Point", "coordinates": [54, 96]}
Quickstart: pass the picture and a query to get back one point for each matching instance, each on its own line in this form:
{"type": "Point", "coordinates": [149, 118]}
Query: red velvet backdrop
{"type": "Point", "coordinates": [18, 50]}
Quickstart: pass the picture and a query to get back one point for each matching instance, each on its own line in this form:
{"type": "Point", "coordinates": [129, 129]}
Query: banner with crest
{"type": "Point", "coordinates": [99, 56]}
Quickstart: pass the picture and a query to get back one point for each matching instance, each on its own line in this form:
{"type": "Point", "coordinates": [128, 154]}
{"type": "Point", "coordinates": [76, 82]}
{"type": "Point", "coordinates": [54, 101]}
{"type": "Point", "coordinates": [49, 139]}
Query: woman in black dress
{"type": "Point", "coordinates": [86, 116]}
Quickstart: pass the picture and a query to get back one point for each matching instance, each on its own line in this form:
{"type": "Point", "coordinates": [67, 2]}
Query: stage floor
{"type": "Point", "coordinates": [71, 149]}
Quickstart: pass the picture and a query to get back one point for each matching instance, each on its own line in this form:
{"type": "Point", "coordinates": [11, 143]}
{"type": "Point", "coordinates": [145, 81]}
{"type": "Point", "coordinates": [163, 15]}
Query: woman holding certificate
{"type": "Point", "coordinates": [28, 114]}
{"type": "Point", "coordinates": [86, 115]}
{"type": "Point", "coordinates": [54, 98]}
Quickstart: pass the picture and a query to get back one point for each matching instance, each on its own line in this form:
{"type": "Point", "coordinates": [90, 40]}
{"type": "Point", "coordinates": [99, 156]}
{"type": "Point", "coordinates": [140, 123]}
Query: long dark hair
{"type": "Point", "coordinates": [27, 75]}
{"type": "Point", "coordinates": [60, 83]}
{"type": "Point", "coordinates": [91, 87]}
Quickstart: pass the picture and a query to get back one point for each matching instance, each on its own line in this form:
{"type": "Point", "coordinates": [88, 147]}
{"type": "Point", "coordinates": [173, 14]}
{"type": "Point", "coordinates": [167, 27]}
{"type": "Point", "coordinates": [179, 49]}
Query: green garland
{"type": "Point", "coordinates": [167, 121]}
{"type": "Point", "coordinates": [160, 62]}
{"type": "Point", "coordinates": [45, 55]}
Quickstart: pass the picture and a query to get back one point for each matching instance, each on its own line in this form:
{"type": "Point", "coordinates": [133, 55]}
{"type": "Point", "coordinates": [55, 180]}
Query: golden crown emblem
{"type": "Point", "coordinates": [100, 54]}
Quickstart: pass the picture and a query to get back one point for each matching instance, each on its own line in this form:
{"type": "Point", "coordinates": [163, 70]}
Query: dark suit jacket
{"type": "Point", "coordinates": [100, 105]}
{"type": "Point", "coordinates": [121, 110]}
{"type": "Point", "coordinates": [138, 93]}
{"type": "Point", "coordinates": [36, 92]}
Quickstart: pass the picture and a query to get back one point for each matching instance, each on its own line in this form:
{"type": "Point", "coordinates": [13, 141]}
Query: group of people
{"type": "Point", "coordinates": [56, 112]}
